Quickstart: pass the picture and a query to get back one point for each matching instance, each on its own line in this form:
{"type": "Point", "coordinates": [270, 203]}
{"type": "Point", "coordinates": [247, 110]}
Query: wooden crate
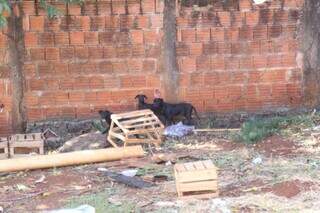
{"type": "Point", "coordinates": [4, 150]}
{"type": "Point", "coordinates": [27, 143]}
{"type": "Point", "coordinates": [196, 179]}
{"type": "Point", "coordinates": [140, 126]}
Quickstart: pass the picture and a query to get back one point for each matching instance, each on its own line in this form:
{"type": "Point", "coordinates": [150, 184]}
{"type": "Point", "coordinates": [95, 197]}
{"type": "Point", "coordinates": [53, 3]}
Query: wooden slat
{"type": "Point", "coordinates": [142, 131]}
{"type": "Point", "coordinates": [179, 168]}
{"type": "Point", "coordinates": [150, 125]}
{"type": "Point", "coordinates": [203, 175]}
{"type": "Point", "coordinates": [138, 119]}
{"type": "Point", "coordinates": [120, 136]}
{"type": "Point", "coordinates": [199, 196]}
{"type": "Point", "coordinates": [189, 166]}
{"type": "Point", "coordinates": [199, 165]}
{"type": "Point", "coordinates": [198, 186]}
{"type": "Point", "coordinates": [27, 144]}
{"type": "Point", "coordinates": [208, 164]}
{"type": "Point", "coordinates": [131, 114]}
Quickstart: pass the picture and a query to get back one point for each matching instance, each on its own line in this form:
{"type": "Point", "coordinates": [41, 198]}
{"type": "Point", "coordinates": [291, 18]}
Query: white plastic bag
{"type": "Point", "coordinates": [178, 130]}
{"type": "Point", "coordinates": [80, 209]}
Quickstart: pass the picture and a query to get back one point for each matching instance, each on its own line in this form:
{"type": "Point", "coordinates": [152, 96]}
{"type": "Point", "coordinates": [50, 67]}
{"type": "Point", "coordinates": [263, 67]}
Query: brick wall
{"type": "Point", "coordinates": [242, 57]}
{"type": "Point", "coordinates": [5, 87]}
{"type": "Point", "coordinates": [100, 55]}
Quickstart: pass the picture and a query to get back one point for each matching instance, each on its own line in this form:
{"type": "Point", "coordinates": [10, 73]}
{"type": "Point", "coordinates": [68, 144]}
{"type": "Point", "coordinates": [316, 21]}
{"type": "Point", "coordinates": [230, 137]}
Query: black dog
{"type": "Point", "coordinates": [171, 110]}
{"type": "Point", "coordinates": [106, 115]}
{"type": "Point", "coordinates": [143, 105]}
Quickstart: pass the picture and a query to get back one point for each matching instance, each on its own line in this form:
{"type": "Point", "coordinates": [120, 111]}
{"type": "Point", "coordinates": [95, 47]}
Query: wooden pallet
{"type": "Point", "coordinates": [140, 126]}
{"type": "Point", "coordinates": [4, 150]}
{"type": "Point", "coordinates": [196, 179]}
{"type": "Point", "coordinates": [27, 143]}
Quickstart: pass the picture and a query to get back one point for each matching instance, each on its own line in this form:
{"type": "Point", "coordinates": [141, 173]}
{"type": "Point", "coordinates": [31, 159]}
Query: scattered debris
{"type": "Point", "coordinates": [129, 181]}
{"type": "Point", "coordinates": [257, 160]}
{"type": "Point", "coordinates": [219, 205]}
{"type": "Point", "coordinates": [102, 169]}
{"type": "Point", "coordinates": [129, 173]}
{"type": "Point", "coordinates": [48, 133]}
{"type": "Point", "coordinates": [163, 158]}
{"type": "Point", "coordinates": [80, 209]}
{"type": "Point", "coordinates": [41, 179]}
{"type": "Point", "coordinates": [178, 130]}
{"type": "Point", "coordinates": [114, 201]}
{"type": "Point", "coordinates": [160, 178]}
{"type": "Point", "coordinates": [22, 187]}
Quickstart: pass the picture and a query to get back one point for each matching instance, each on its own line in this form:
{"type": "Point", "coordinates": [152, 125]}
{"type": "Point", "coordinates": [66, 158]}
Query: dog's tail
{"type": "Point", "coordinates": [195, 112]}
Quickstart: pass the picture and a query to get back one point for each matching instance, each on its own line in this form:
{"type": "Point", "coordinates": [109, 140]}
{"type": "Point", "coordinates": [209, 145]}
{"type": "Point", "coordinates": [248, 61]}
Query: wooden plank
{"type": "Point", "coordinates": [148, 125]}
{"type": "Point", "coordinates": [189, 166]}
{"type": "Point", "coordinates": [179, 168]}
{"type": "Point", "coordinates": [149, 120]}
{"type": "Point", "coordinates": [138, 119]}
{"type": "Point", "coordinates": [131, 114]}
{"type": "Point", "coordinates": [199, 165]}
{"type": "Point", "coordinates": [198, 186]}
{"type": "Point", "coordinates": [142, 131]}
{"type": "Point", "coordinates": [27, 144]}
{"type": "Point", "coordinates": [208, 164]}
{"type": "Point", "coordinates": [199, 196]}
{"type": "Point", "coordinates": [194, 176]}
{"type": "Point", "coordinates": [120, 136]}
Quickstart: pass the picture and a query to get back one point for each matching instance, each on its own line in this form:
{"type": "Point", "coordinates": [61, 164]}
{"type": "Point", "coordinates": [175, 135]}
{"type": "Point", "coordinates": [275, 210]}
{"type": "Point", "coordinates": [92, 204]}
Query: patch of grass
{"type": "Point", "coordinates": [100, 203]}
{"type": "Point", "coordinates": [256, 130]}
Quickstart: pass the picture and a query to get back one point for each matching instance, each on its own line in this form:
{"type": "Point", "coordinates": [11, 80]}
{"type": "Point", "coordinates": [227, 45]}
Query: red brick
{"type": "Point", "coordinates": [232, 63]}
{"type": "Point", "coordinates": [132, 81]}
{"type": "Point", "coordinates": [51, 113]}
{"type": "Point", "coordinates": [74, 69]}
{"type": "Point", "coordinates": [69, 112]}
{"type": "Point", "coordinates": [74, 9]}
{"type": "Point", "coordinates": [254, 76]}
{"type": "Point", "coordinates": [153, 51]}
{"type": "Point", "coordinates": [119, 67]}
{"type": "Point", "coordinates": [150, 37]}
{"type": "Point", "coordinates": [60, 69]}
{"type": "Point", "coordinates": [66, 53]}
{"type": "Point", "coordinates": [156, 21]}
{"type": "Point", "coordinates": [111, 82]}
{"type": "Point", "coordinates": [52, 53]}
{"type": "Point", "coordinates": [82, 83]}
{"type": "Point", "coordinates": [196, 79]}
{"type": "Point", "coordinates": [98, 23]}
{"type": "Point", "coordinates": [136, 65]}
{"type": "Point", "coordinates": [90, 67]}
{"type": "Point", "coordinates": [223, 48]}
{"type": "Point", "coordinates": [203, 34]}
{"type": "Point", "coordinates": [35, 114]}
{"type": "Point", "coordinates": [252, 18]}
{"type": "Point", "coordinates": [123, 51]}
{"type": "Point", "coordinates": [218, 63]}
{"type": "Point", "coordinates": [289, 60]}
{"type": "Point", "coordinates": [211, 79]}
{"type": "Point", "coordinates": [148, 6]}
{"type": "Point", "coordinates": [294, 75]}
{"type": "Point", "coordinates": [96, 52]}
{"type": "Point", "coordinates": [230, 34]}
{"type": "Point", "coordinates": [264, 91]}
{"type": "Point", "coordinates": [96, 82]}
{"type": "Point", "coordinates": [134, 6]}
{"type": "Point", "coordinates": [45, 69]}
{"type": "Point", "coordinates": [203, 63]}
{"type": "Point", "coordinates": [274, 61]}
{"type": "Point", "coordinates": [106, 37]}
{"type": "Point", "coordinates": [52, 84]}
{"type": "Point", "coordinates": [46, 98]}
{"type": "Point", "coordinates": [265, 46]}
{"type": "Point", "coordinates": [90, 97]}
{"type": "Point", "coordinates": [239, 77]}
{"type": "Point", "coordinates": [188, 35]}
{"type": "Point", "coordinates": [182, 49]}
{"type": "Point", "coordinates": [254, 47]}
{"type": "Point", "coordinates": [29, 70]}
{"type": "Point", "coordinates": [52, 24]}
{"type": "Point", "coordinates": [126, 22]}
{"type": "Point", "coordinates": [224, 18]}
{"type": "Point", "coordinates": [246, 62]}
{"type": "Point", "coordinates": [274, 31]}
{"type": "Point", "coordinates": [136, 36]}
{"type": "Point", "coordinates": [36, 23]}
{"type": "Point", "coordinates": [109, 52]}
{"type": "Point", "coordinates": [237, 18]}
{"type": "Point", "coordinates": [84, 22]}
{"type": "Point", "coordinates": [76, 38]}
{"type": "Point", "coordinates": [105, 67]}
{"type": "Point", "coordinates": [217, 34]}
{"type": "Point", "coordinates": [61, 38]}
{"type": "Point", "coordinates": [245, 33]}
{"type": "Point", "coordinates": [31, 100]}
{"type": "Point", "coordinates": [259, 61]}
{"type": "Point", "coordinates": [66, 84]}
{"type": "Point", "coordinates": [118, 7]}
{"type": "Point", "coordinates": [81, 52]}
{"type": "Point", "coordinates": [260, 32]}
{"type": "Point", "coordinates": [273, 76]}
{"type": "Point", "coordinates": [210, 48]}
{"type": "Point", "coordinates": [188, 65]}
{"type": "Point", "coordinates": [46, 39]}
{"type": "Point", "coordinates": [28, 7]}
{"type": "Point", "coordinates": [138, 50]}
{"type": "Point", "coordinates": [149, 65]}
{"type": "Point", "coordinates": [196, 49]}
{"type": "Point", "coordinates": [37, 84]}
{"type": "Point", "coordinates": [112, 22]}
{"type": "Point", "coordinates": [245, 5]}
{"type": "Point", "coordinates": [30, 39]}
{"type": "Point", "coordinates": [142, 22]}
{"type": "Point", "coordinates": [91, 38]}
{"type": "Point", "coordinates": [37, 54]}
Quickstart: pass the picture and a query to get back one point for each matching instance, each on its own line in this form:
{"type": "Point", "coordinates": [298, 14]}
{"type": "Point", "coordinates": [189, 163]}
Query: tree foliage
{"type": "Point", "coordinates": [52, 12]}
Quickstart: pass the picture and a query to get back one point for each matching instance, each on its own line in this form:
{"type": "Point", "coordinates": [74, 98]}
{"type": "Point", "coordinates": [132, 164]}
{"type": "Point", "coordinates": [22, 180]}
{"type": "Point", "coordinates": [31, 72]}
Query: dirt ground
{"type": "Point", "coordinates": [277, 175]}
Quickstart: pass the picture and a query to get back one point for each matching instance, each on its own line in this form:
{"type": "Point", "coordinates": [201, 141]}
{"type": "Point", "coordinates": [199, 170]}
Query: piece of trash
{"type": "Point", "coordinates": [129, 172]}
{"type": "Point", "coordinates": [219, 205]}
{"type": "Point", "coordinates": [102, 169]}
{"type": "Point", "coordinates": [160, 178]}
{"type": "Point", "coordinates": [41, 179]}
{"type": "Point", "coordinates": [80, 209]}
{"type": "Point", "coordinates": [260, 1]}
{"type": "Point", "coordinates": [178, 130]}
{"type": "Point", "coordinates": [165, 203]}
{"type": "Point", "coordinates": [1, 209]}
{"type": "Point", "coordinates": [168, 163]}
{"type": "Point", "coordinates": [257, 160]}
{"type": "Point", "coordinates": [22, 187]}
{"type": "Point", "coordinates": [114, 201]}
{"type": "Point", "coordinates": [163, 158]}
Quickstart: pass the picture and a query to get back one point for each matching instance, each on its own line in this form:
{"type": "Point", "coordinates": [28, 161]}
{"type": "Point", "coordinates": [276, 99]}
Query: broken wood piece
{"type": "Point", "coordinates": [216, 130]}
{"type": "Point", "coordinates": [70, 158]}
{"type": "Point", "coordinates": [135, 182]}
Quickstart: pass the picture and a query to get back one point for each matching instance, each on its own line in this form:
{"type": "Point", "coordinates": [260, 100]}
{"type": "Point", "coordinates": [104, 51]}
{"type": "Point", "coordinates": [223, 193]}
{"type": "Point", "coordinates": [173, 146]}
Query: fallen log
{"type": "Point", "coordinates": [134, 182]}
{"type": "Point", "coordinates": [70, 158]}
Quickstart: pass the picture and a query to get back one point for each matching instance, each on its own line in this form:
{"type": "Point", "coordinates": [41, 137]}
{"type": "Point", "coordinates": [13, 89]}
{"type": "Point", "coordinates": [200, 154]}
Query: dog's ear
{"type": "Point", "coordinates": [145, 97]}
{"type": "Point", "coordinates": [137, 96]}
